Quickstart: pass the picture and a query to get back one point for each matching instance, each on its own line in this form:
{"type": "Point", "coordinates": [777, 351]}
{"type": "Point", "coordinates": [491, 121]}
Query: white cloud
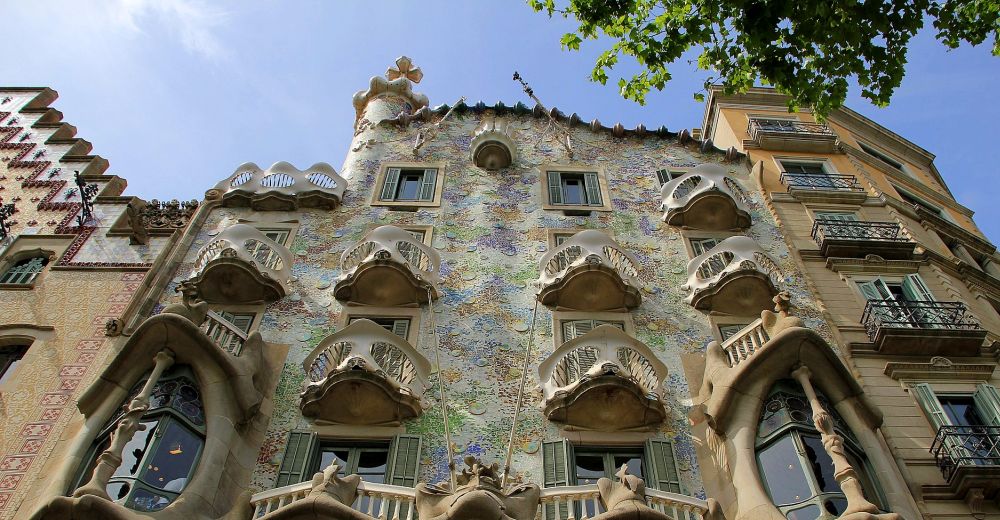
{"type": "Point", "coordinates": [192, 22]}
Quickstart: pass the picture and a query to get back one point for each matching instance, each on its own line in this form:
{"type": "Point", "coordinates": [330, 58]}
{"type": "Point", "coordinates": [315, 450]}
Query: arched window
{"type": "Point", "coordinates": [796, 469]}
{"type": "Point", "coordinates": [158, 461]}
{"type": "Point", "coordinates": [24, 272]}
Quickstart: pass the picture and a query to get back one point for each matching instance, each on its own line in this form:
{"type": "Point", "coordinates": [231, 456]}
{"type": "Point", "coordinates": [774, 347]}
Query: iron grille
{"type": "Point", "coordinates": [895, 314]}
{"type": "Point", "coordinates": [962, 446]}
{"type": "Point", "coordinates": [786, 126]}
{"type": "Point", "coordinates": [856, 230]}
{"type": "Point", "coordinates": [824, 181]}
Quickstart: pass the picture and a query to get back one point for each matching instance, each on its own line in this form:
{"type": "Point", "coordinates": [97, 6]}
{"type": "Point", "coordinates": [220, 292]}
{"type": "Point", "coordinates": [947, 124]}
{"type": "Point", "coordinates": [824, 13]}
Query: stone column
{"type": "Point", "coordinates": [991, 267]}
{"type": "Point", "coordinates": [845, 474]}
{"type": "Point", "coordinates": [129, 424]}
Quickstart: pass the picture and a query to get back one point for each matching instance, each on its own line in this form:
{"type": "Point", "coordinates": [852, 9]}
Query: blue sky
{"type": "Point", "coordinates": [178, 93]}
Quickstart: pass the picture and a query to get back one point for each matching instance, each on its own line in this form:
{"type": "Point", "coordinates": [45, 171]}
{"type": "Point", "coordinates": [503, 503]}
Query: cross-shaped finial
{"type": "Point", "coordinates": [404, 69]}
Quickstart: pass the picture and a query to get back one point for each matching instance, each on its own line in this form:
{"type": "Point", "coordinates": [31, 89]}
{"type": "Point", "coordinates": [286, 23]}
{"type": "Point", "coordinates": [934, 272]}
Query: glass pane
{"type": "Point", "coordinates": [188, 402]}
{"type": "Point", "coordinates": [118, 490]}
{"type": "Point", "coordinates": [573, 191]}
{"type": "Point", "coordinates": [820, 463]}
{"type": "Point", "coordinates": [835, 506]}
{"type": "Point", "coordinates": [174, 459]}
{"type": "Point", "coordinates": [960, 409]}
{"type": "Point", "coordinates": [409, 187]}
{"type": "Point", "coordinates": [810, 512]}
{"type": "Point", "coordinates": [334, 455]}
{"type": "Point", "coordinates": [11, 363]}
{"type": "Point", "coordinates": [372, 463]}
{"type": "Point", "coordinates": [782, 472]}
{"type": "Point", "coordinates": [634, 464]}
{"type": "Point", "coordinates": [135, 450]}
{"type": "Point", "coordinates": [589, 468]}
{"type": "Point", "coordinates": [143, 500]}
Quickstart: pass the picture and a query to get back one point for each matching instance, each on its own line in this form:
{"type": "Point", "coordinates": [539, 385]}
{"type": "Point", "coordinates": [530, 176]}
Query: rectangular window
{"type": "Point", "coordinates": [980, 408]}
{"type": "Point", "coordinates": [409, 184]}
{"type": "Point", "coordinates": [665, 176]}
{"type": "Point", "coordinates": [10, 357]}
{"type": "Point", "coordinates": [910, 198]}
{"type": "Point", "coordinates": [842, 216]}
{"type": "Point", "coordinates": [574, 189]}
{"type": "Point", "coordinates": [729, 330]}
{"type": "Point", "coordinates": [573, 329]}
{"type": "Point", "coordinates": [803, 167]}
{"type": "Point", "coordinates": [397, 326]}
{"type": "Point", "coordinates": [395, 462]}
{"type": "Point", "coordinates": [700, 246]}
{"type": "Point", "coordinates": [367, 460]}
{"type": "Point", "coordinates": [881, 155]}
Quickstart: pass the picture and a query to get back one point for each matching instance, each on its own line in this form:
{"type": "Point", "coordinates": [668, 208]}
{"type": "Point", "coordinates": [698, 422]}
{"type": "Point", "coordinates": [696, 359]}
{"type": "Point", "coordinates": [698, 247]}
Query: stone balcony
{"type": "Point", "coordinates": [858, 239]}
{"type": "Point", "coordinates": [790, 136]}
{"type": "Point", "coordinates": [589, 272]}
{"type": "Point", "coordinates": [388, 268]}
{"type": "Point", "coordinates": [604, 380]}
{"type": "Point", "coordinates": [922, 328]}
{"type": "Point", "coordinates": [364, 374]}
{"type": "Point", "coordinates": [242, 266]}
{"type": "Point", "coordinates": [734, 277]}
{"type": "Point", "coordinates": [705, 198]}
{"type": "Point", "coordinates": [282, 187]}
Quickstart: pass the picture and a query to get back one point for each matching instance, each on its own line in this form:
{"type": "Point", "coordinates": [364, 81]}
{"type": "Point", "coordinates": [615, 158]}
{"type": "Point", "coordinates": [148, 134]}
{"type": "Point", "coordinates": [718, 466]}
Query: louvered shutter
{"type": "Point", "coordinates": [929, 403]}
{"type": "Point", "coordinates": [663, 176]}
{"type": "Point", "coordinates": [241, 321]}
{"type": "Point", "coordinates": [875, 290]}
{"type": "Point", "coordinates": [593, 186]}
{"type": "Point", "coordinates": [916, 290]}
{"type": "Point", "coordinates": [299, 453]}
{"type": "Point", "coordinates": [557, 460]}
{"type": "Point", "coordinates": [575, 328]}
{"type": "Point", "coordinates": [555, 188]}
{"type": "Point", "coordinates": [428, 184]}
{"type": "Point", "coordinates": [404, 460]}
{"type": "Point", "coordinates": [401, 328]}
{"type": "Point", "coordinates": [389, 187]}
{"type": "Point", "coordinates": [662, 466]}
{"type": "Point", "coordinates": [987, 400]}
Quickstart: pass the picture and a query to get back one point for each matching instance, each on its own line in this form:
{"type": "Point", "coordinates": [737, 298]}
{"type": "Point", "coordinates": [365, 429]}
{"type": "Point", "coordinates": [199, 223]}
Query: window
{"type": "Point", "coordinates": [966, 423]}
{"type": "Point", "coordinates": [397, 326]}
{"type": "Point", "coordinates": [158, 462]}
{"type": "Point", "coordinates": [409, 184]}
{"type": "Point", "coordinates": [810, 168]}
{"type": "Point", "coordinates": [796, 469]}
{"type": "Point", "coordinates": [573, 329]}
{"type": "Point", "coordinates": [900, 302]}
{"type": "Point", "coordinates": [575, 191]}
{"type": "Point", "coordinates": [396, 461]}
{"type": "Point", "coordinates": [842, 216]}
{"type": "Point", "coordinates": [10, 357]}
{"type": "Point", "coordinates": [413, 254]}
{"type": "Point", "coordinates": [882, 155]}
{"type": "Point", "coordinates": [24, 272]}
{"type": "Point", "coordinates": [912, 199]}
{"type": "Point", "coordinates": [567, 465]}
{"type": "Point", "coordinates": [223, 336]}
{"type": "Point", "coordinates": [700, 246]}
{"type": "Point", "coordinates": [665, 176]}
{"type": "Point", "coordinates": [729, 330]}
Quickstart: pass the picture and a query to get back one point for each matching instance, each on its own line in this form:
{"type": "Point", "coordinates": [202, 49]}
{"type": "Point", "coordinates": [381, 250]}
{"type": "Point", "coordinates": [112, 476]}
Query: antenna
{"type": "Point", "coordinates": [565, 142]}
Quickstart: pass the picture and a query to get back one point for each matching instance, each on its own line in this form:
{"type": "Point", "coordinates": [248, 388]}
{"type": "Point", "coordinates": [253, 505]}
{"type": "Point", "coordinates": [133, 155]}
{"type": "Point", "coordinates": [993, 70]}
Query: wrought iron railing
{"type": "Point", "coordinates": [963, 446]}
{"type": "Point", "coordinates": [787, 126]}
{"type": "Point", "coordinates": [821, 181]}
{"type": "Point", "coordinates": [856, 230]}
{"type": "Point", "coordinates": [900, 314]}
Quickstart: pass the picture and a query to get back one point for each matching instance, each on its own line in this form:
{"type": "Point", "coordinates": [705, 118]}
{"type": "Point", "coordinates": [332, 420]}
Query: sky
{"type": "Point", "coordinates": [177, 93]}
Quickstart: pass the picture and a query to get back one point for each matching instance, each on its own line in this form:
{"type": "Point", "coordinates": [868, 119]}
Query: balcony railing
{"type": "Point", "coordinates": [787, 126]}
{"type": "Point", "coordinates": [895, 314]}
{"type": "Point", "coordinates": [730, 257]}
{"type": "Point", "coordinates": [856, 230]}
{"type": "Point", "coordinates": [250, 245]}
{"type": "Point", "coordinates": [387, 502]}
{"type": "Point", "coordinates": [791, 135]}
{"type": "Point", "coordinates": [589, 246]}
{"type": "Point", "coordinates": [224, 334]}
{"type": "Point", "coordinates": [282, 187]}
{"type": "Point", "coordinates": [821, 182]}
{"type": "Point", "coordinates": [745, 343]}
{"type": "Point", "coordinates": [693, 200]}
{"type": "Point", "coordinates": [955, 447]}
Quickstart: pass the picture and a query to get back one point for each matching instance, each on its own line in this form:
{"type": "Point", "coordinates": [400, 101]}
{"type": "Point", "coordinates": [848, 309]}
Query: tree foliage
{"type": "Point", "coordinates": [808, 49]}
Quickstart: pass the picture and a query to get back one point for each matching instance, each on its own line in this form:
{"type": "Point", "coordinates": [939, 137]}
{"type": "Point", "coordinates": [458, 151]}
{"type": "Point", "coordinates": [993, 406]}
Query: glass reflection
{"type": "Point", "coordinates": [782, 472]}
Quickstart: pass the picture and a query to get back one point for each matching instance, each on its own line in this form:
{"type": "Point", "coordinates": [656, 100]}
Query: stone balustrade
{"type": "Point", "coordinates": [223, 333]}
{"type": "Point", "coordinates": [382, 501]}
{"type": "Point", "coordinates": [282, 187]}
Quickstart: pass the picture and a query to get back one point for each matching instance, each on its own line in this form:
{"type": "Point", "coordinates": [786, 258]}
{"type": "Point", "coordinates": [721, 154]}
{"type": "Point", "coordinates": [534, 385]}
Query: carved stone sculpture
{"type": "Point", "coordinates": [327, 482]}
{"type": "Point", "coordinates": [137, 229]}
{"type": "Point", "coordinates": [780, 319]}
{"type": "Point", "coordinates": [192, 306]}
{"type": "Point", "coordinates": [477, 497]}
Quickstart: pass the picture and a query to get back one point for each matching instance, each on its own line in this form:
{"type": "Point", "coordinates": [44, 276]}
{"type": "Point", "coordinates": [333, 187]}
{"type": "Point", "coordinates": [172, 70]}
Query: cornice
{"type": "Point", "coordinates": [874, 264]}
{"type": "Point", "coordinates": [939, 368]}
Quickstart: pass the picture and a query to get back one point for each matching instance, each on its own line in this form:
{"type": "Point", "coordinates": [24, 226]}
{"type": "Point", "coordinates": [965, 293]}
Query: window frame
{"type": "Point", "coordinates": [403, 205]}
{"type": "Point", "coordinates": [354, 447]}
{"type": "Point", "coordinates": [671, 172]}
{"type": "Point", "coordinates": [10, 356]}
{"type": "Point", "coordinates": [26, 256]}
{"type": "Point", "coordinates": [558, 317]}
{"type": "Point", "coordinates": [575, 209]}
{"type": "Point", "coordinates": [393, 313]}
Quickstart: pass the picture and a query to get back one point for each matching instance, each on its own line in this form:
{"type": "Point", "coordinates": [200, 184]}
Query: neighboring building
{"type": "Point", "coordinates": [639, 304]}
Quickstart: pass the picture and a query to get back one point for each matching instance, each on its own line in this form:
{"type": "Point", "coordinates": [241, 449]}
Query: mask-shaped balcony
{"type": "Point", "coordinates": [388, 268]}
{"type": "Point", "coordinates": [604, 380]}
{"type": "Point", "coordinates": [790, 136]}
{"type": "Point", "coordinates": [705, 198]}
{"type": "Point", "coordinates": [364, 374]}
{"type": "Point", "coordinates": [282, 187]}
{"type": "Point", "coordinates": [241, 265]}
{"type": "Point", "coordinates": [589, 272]}
{"type": "Point", "coordinates": [734, 277]}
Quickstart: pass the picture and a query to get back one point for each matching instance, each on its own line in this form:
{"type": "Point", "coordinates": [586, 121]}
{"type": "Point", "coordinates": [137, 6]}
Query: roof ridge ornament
{"type": "Point", "coordinates": [404, 69]}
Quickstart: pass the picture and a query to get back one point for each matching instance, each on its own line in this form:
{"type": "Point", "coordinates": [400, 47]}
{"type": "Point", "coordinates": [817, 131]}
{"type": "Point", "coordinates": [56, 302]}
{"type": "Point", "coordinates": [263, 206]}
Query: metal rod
{"type": "Point", "coordinates": [531, 93]}
{"type": "Point", "coordinates": [520, 396]}
{"type": "Point", "coordinates": [441, 394]}
{"type": "Point", "coordinates": [422, 139]}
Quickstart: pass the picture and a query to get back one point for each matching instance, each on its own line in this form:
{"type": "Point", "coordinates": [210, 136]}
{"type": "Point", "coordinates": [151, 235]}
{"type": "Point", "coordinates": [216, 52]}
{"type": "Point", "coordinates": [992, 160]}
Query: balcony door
{"type": "Point", "coordinates": [907, 303]}
{"type": "Point", "coordinates": [811, 175]}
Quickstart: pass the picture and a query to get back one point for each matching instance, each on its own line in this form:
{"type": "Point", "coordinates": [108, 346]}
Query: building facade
{"type": "Point", "coordinates": [504, 311]}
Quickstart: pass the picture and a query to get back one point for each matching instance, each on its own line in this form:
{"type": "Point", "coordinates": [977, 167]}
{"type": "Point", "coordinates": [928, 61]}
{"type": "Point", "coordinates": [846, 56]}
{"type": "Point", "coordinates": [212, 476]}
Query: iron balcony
{"type": "Point", "coordinates": [845, 238]}
{"type": "Point", "coordinates": [798, 136]}
{"type": "Point", "coordinates": [922, 328]}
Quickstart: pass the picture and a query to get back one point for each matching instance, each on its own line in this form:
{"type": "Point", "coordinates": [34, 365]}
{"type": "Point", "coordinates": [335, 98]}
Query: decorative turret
{"type": "Point", "coordinates": [388, 97]}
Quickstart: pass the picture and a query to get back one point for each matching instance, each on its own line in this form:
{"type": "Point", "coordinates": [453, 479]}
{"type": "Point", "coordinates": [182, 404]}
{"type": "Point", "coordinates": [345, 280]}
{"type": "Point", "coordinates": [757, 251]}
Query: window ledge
{"type": "Point", "coordinates": [16, 286]}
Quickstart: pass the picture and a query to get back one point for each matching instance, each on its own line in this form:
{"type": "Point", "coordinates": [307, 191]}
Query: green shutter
{"type": "Point", "coordinates": [875, 290]}
{"type": "Point", "coordinates": [241, 321]}
{"type": "Point", "coordinates": [916, 290]}
{"type": "Point", "coordinates": [389, 186]}
{"type": "Point", "coordinates": [663, 176]}
{"type": "Point", "coordinates": [555, 188]}
{"type": "Point", "coordinates": [987, 400]}
{"type": "Point", "coordinates": [556, 463]}
{"type": "Point", "coordinates": [428, 184]}
{"type": "Point", "coordinates": [298, 456]}
{"type": "Point", "coordinates": [662, 466]}
{"type": "Point", "coordinates": [929, 403]}
{"type": "Point", "coordinates": [593, 186]}
{"type": "Point", "coordinates": [404, 460]}
{"type": "Point", "coordinates": [401, 327]}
